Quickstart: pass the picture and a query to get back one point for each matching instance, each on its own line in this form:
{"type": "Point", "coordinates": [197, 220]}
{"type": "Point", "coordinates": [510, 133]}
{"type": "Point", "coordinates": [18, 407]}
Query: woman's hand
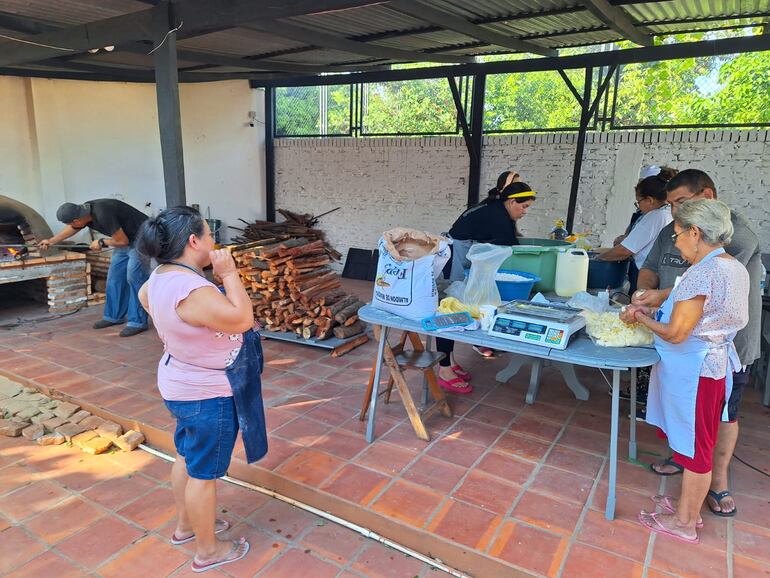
{"type": "Point", "coordinates": [223, 263]}
{"type": "Point", "coordinates": [631, 313]}
{"type": "Point", "coordinates": [649, 297]}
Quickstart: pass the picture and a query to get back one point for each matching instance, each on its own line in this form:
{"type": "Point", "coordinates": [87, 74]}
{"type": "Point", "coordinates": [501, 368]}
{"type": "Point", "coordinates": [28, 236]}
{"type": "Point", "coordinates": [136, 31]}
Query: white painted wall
{"type": "Point", "coordinates": [421, 182]}
{"type": "Point", "coordinates": [74, 141]}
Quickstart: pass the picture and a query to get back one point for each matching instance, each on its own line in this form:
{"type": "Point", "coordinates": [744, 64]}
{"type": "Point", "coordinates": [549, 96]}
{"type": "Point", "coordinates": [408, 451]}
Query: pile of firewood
{"type": "Point", "coordinates": [293, 289]}
{"type": "Point", "coordinates": [98, 264]}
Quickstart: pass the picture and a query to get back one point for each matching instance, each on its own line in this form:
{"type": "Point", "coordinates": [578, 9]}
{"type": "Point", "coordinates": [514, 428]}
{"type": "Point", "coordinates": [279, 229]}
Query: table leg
{"type": "Point", "coordinates": [513, 367]}
{"type": "Point", "coordinates": [609, 511]}
{"type": "Point", "coordinates": [534, 380]}
{"type": "Point", "coordinates": [425, 395]}
{"type": "Point", "coordinates": [567, 371]}
{"type": "Point", "coordinates": [383, 331]}
{"type": "Point", "coordinates": [632, 432]}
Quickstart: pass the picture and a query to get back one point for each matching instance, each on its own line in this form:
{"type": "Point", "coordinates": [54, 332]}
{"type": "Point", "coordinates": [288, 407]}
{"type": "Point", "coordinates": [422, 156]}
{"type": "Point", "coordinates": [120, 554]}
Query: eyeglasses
{"type": "Point", "coordinates": [675, 235]}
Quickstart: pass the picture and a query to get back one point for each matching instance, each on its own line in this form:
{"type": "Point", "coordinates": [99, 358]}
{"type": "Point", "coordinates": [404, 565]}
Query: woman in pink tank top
{"type": "Point", "coordinates": [201, 329]}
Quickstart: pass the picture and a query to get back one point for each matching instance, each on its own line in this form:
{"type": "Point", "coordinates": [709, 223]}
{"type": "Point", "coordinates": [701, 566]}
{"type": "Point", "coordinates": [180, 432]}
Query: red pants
{"type": "Point", "coordinates": [708, 413]}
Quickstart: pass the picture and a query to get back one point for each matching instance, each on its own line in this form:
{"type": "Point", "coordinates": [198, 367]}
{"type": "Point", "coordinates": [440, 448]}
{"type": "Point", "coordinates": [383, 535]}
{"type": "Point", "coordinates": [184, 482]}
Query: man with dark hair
{"type": "Point", "coordinates": [120, 223]}
{"type": "Point", "coordinates": [656, 279]}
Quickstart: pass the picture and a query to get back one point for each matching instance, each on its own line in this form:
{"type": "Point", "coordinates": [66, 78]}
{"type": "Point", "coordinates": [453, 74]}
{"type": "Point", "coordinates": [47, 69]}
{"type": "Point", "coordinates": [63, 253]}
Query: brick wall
{"type": "Point", "coordinates": [422, 182]}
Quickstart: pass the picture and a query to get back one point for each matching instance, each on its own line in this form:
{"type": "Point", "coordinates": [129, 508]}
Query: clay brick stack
{"type": "Point", "coordinates": [26, 412]}
{"type": "Point", "coordinates": [98, 265]}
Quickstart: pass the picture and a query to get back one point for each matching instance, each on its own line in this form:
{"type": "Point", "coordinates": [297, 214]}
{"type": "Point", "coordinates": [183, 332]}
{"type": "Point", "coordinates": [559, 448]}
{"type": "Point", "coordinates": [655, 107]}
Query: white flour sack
{"type": "Point", "coordinates": [409, 263]}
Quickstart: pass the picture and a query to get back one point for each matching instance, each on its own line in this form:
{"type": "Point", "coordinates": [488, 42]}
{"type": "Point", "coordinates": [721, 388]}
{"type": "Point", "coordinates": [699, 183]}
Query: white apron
{"type": "Point", "coordinates": [674, 380]}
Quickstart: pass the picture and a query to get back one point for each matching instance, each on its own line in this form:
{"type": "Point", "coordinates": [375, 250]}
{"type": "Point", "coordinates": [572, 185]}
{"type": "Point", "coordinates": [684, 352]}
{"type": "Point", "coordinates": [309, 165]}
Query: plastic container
{"type": "Point", "coordinates": [510, 290]}
{"type": "Point", "coordinates": [571, 272]}
{"type": "Point", "coordinates": [606, 274]}
{"type": "Point", "coordinates": [538, 257]}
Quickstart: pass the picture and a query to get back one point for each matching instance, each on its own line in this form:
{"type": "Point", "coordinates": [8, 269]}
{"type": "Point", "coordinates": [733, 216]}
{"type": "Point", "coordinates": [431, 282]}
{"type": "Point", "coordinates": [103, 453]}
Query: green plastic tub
{"type": "Point", "coordinates": [538, 257]}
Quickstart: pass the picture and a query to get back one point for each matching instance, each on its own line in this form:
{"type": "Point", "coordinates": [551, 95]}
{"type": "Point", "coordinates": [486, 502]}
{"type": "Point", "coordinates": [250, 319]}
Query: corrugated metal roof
{"type": "Point", "coordinates": [544, 23]}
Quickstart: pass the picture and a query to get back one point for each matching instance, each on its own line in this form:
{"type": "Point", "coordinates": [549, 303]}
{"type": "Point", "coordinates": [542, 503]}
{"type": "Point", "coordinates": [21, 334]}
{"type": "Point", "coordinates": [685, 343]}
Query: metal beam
{"type": "Point", "coordinates": [477, 133]}
{"type": "Point", "coordinates": [335, 42]}
{"type": "Point", "coordinates": [452, 22]}
{"type": "Point", "coordinates": [461, 117]}
{"type": "Point", "coordinates": [269, 154]}
{"type": "Point", "coordinates": [169, 116]}
{"type": "Point", "coordinates": [596, 59]}
{"type": "Point", "coordinates": [619, 21]}
{"type": "Point", "coordinates": [580, 147]}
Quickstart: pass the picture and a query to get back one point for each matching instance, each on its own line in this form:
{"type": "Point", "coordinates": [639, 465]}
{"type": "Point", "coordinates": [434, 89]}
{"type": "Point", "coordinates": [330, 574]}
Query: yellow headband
{"type": "Point", "coordinates": [532, 194]}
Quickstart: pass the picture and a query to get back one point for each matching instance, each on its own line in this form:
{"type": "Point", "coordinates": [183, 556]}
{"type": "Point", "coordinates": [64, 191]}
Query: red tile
{"type": "Point", "coordinates": [522, 446]}
{"type": "Point", "coordinates": [63, 520]}
{"type": "Point", "coordinates": [275, 418]}
{"type": "Point", "coordinates": [356, 484]}
{"type": "Point", "coordinates": [434, 474]}
{"type": "Point", "coordinates": [408, 502]}
{"type": "Point", "coordinates": [560, 484]}
{"type": "Point", "coordinates": [585, 561]}
{"type": "Point", "coordinates": [386, 458]}
{"type": "Point", "coordinates": [456, 451]}
{"type": "Point", "coordinates": [340, 443]}
{"type": "Point", "coordinates": [378, 561]}
{"type": "Point", "coordinates": [108, 395]}
{"type": "Point", "coordinates": [536, 427]}
{"type": "Point", "coordinates": [465, 524]}
{"type": "Point", "coordinates": [31, 500]}
{"type": "Point", "coordinates": [310, 467]}
{"type": "Point", "coordinates": [279, 450]}
{"type": "Point", "coordinates": [682, 559]}
{"type": "Point", "coordinates": [334, 542]}
{"type": "Point", "coordinates": [586, 440]}
{"type": "Point", "coordinates": [475, 432]}
{"type": "Point", "coordinates": [628, 502]}
{"type": "Point", "coordinates": [332, 413]}
{"type": "Point", "coordinates": [47, 564]}
{"type": "Point", "coordinates": [548, 513]}
{"type": "Point", "coordinates": [754, 510]}
{"type": "Point", "coordinates": [16, 548]}
{"type": "Point", "coordinates": [152, 511]}
{"type": "Point", "coordinates": [487, 492]}
{"type": "Point", "coordinates": [402, 435]}
{"type": "Point", "coordinates": [628, 539]}
{"type": "Point", "coordinates": [281, 518]}
{"type": "Point", "coordinates": [530, 549]}
{"type": "Point", "coordinates": [119, 491]}
{"type": "Point", "coordinates": [751, 541]}
{"type": "Point", "coordinates": [326, 390]}
{"type": "Point", "coordinates": [297, 404]}
{"type": "Point", "coordinates": [635, 477]}
{"type": "Point", "coordinates": [746, 568]}
{"type": "Point", "coordinates": [549, 411]}
{"type": "Point", "coordinates": [491, 415]}
{"type": "Point", "coordinates": [15, 475]}
{"type": "Point", "coordinates": [295, 562]}
{"type": "Point", "coordinates": [149, 557]}
{"type": "Point", "coordinates": [574, 461]}
{"type": "Point", "coordinates": [303, 431]}
{"type": "Point", "coordinates": [507, 467]}
{"type": "Point", "coordinates": [133, 404]}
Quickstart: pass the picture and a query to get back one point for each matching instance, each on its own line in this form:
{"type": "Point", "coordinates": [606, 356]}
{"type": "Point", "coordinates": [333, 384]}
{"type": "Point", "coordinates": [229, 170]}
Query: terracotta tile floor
{"type": "Point", "coordinates": [120, 521]}
{"type": "Point", "coordinates": [521, 484]}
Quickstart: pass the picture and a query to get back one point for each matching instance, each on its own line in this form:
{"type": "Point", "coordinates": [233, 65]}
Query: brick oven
{"type": "Point", "coordinates": [58, 278]}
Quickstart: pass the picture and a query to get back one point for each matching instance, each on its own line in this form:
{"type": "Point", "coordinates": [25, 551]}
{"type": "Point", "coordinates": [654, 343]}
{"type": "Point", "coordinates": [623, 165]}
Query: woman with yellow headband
{"type": "Point", "coordinates": [493, 221]}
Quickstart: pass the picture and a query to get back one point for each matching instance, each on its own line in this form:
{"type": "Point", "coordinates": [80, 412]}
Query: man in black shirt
{"type": "Point", "coordinates": [120, 223]}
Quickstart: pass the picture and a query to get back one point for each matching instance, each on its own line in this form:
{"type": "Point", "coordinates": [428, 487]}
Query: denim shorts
{"type": "Point", "coordinates": [205, 435]}
{"type": "Point", "coordinates": [740, 380]}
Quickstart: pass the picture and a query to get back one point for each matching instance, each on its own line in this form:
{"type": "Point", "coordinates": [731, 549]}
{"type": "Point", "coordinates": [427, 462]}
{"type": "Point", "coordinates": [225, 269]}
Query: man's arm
{"type": "Point", "coordinates": [65, 233]}
{"type": "Point", "coordinates": [118, 239]}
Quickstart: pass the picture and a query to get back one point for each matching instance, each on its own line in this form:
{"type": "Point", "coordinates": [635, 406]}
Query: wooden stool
{"type": "Point", "coordinates": [397, 359]}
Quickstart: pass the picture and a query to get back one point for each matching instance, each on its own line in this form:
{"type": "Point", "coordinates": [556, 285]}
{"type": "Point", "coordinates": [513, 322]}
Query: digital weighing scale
{"type": "Point", "coordinates": [551, 325]}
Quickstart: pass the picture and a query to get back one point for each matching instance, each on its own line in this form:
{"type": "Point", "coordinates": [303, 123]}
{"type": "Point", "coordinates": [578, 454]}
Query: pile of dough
{"type": "Point", "coordinates": [608, 330]}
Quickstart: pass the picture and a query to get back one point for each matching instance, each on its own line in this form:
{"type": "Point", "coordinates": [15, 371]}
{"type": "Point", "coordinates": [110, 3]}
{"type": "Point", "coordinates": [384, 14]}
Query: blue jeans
{"type": "Point", "coordinates": [205, 435]}
{"type": "Point", "coordinates": [128, 272]}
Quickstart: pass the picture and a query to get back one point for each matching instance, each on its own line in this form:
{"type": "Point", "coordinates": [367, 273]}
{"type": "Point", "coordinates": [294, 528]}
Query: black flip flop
{"type": "Point", "coordinates": [718, 497]}
{"type": "Point", "coordinates": [668, 462]}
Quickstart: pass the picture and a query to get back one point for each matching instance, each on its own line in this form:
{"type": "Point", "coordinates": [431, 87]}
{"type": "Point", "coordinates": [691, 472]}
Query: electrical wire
{"type": "Point", "coordinates": [37, 43]}
{"type": "Point", "coordinates": [166, 36]}
{"type": "Point", "coordinates": [748, 465]}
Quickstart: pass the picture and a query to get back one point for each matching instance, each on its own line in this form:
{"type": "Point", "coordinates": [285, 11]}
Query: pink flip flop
{"type": "Point", "coordinates": [666, 503]}
{"type": "Point", "coordinates": [461, 373]}
{"type": "Point", "coordinates": [219, 527]}
{"type": "Point", "coordinates": [453, 385]}
{"type": "Point", "coordinates": [653, 525]}
{"type": "Point", "coordinates": [231, 557]}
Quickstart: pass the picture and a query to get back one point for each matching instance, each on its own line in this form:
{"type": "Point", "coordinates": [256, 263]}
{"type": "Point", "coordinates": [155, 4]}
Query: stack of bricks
{"type": "Point", "coordinates": [26, 412]}
{"type": "Point", "coordinates": [29, 239]}
{"type": "Point", "coordinates": [97, 267]}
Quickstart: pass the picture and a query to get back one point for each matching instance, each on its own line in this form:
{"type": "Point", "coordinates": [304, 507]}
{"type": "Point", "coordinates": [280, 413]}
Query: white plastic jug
{"type": "Point", "coordinates": [571, 272]}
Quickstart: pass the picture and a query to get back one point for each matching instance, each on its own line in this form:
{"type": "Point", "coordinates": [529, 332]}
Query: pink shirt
{"type": "Point", "coordinates": [193, 365]}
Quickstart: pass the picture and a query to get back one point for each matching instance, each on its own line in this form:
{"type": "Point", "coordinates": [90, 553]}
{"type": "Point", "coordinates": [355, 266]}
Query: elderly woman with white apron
{"type": "Point", "coordinates": [694, 331]}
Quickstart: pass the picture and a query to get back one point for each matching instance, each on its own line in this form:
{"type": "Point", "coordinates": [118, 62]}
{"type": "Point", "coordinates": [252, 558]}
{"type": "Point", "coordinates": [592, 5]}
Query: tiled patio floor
{"type": "Point", "coordinates": [520, 486]}
{"type": "Point", "coordinates": [66, 514]}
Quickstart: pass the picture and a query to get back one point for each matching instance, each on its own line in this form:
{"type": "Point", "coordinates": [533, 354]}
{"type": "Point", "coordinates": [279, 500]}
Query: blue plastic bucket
{"type": "Point", "coordinates": [510, 290]}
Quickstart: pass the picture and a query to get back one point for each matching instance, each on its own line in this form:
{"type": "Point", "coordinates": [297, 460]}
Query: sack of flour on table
{"type": "Point", "coordinates": [409, 264]}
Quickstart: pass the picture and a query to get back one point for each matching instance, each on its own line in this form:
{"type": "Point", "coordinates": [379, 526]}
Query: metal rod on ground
{"type": "Point", "coordinates": [67, 245]}
{"type": "Point", "coordinates": [327, 516]}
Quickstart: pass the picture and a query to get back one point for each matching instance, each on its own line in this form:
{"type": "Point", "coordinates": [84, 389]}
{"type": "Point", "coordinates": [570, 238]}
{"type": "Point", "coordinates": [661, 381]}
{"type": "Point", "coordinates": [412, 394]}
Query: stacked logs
{"type": "Point", "coordinates": [293, 289]}
{"type": "Point", "coordinates": [98, 265]}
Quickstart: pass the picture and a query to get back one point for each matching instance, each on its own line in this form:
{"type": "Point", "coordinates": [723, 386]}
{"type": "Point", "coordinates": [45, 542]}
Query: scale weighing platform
{"type": "Point", "coordinates": [551, 325]}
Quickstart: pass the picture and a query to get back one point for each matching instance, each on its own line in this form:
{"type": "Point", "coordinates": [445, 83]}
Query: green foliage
{"type": "Point", "coordinates": [298, 110]}
{"type": "Point", "coordinates": [419, 106]}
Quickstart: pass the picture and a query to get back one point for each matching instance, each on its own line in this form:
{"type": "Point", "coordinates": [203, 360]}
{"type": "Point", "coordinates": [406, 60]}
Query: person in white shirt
{"type": "Point", "coordinates": [656, 214]}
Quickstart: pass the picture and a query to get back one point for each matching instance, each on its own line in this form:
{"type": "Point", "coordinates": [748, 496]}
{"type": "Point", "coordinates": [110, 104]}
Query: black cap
{"type": "Point", "coordinates": [69, 212]}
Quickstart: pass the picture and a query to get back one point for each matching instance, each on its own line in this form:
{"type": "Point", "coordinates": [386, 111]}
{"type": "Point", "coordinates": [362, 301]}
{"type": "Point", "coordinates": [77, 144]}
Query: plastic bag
{"type": "Point", "coordinates": [596, 303]}
{"type": "Point", "coordinates": [481, 288]}
{"type": "Point", "coordinates": [452, 305]}
{"type": "Point", "coordinates": [456, 290]}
